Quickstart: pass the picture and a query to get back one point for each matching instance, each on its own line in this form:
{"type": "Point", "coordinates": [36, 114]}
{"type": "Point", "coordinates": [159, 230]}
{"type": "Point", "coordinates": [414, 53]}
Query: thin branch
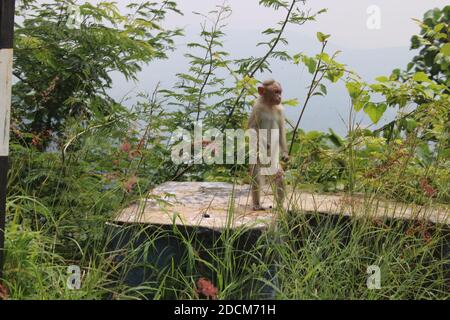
{"type": "Point", "coordinates": [211, 61]}
{"type": "Point", "coordinates": [308, 97]}
{"type": "Point", "coordinates": [261, 61]}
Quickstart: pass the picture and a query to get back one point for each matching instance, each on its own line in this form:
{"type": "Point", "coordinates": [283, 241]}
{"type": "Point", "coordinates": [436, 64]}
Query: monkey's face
{"type": "Point", "coordinates": [272, 94]}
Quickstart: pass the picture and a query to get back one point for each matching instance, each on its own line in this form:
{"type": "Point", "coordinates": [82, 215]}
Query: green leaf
{"type": "Point", "coordinates": [358, 105]}
{"type": "Point", "coordinates": [361, 101]}
{"type": "Point", "coordinates": [354, 89]}
{"type": "Point", "coordinates": [382, 79]}
{"type": "Point", "coordinates": [296, 58]}
{"type": "Point", "coordinates": [291, 102]}
{"type": "Point", "coordinates": [376, 87]}
{"type": "Point", "coordinates": [325, 57]}
{"type": "Point", "coordinates": [375, 111]}
{"type": "Point", "coordinates": [335, 139]}
{"type": "Point", "coordinates": [322, 37]}
{"type": "Point", "coordinates": [445, 50]}
{"type": "Point", "coordinates": [310, 63]}
{"type": "Point", "coordinates": [421, 77]}
{"type": "Point", "coordinates": [411, 124]}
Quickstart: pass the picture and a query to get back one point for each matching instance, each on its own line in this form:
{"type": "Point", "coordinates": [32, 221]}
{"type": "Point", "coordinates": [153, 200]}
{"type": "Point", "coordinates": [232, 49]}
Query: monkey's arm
{"type": "Point", "coordinates": [283, 143]}
{"type": "Point", "coordinates": [252, 123]}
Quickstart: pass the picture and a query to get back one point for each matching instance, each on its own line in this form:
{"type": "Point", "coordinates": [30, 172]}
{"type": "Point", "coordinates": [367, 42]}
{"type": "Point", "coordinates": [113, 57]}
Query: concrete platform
{"type": "Point", "coordinates": [217, 205]}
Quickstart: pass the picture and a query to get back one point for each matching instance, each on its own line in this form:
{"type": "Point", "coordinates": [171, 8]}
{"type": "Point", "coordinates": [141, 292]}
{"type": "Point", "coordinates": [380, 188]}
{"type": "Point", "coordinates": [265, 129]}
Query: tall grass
{"type": "Point", "coordinates": [61, 214]}
{"type": "Point", "coordinates": [313, 256]}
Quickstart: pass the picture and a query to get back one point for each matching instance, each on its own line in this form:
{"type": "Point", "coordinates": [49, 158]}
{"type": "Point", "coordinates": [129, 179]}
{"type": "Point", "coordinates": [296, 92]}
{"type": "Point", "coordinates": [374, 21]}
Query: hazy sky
{"type": "Point", "coordinates": [370, 52]}
{"type": "Point", "coordinates": [346, 19]}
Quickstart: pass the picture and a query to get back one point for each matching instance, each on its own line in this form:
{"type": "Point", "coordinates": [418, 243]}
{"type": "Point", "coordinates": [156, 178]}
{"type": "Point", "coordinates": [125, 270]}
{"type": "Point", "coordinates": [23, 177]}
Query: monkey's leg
{"type": "Point", "coordinates": [256, 184]}
{"type": "Point", "coordinates": [280, 189]}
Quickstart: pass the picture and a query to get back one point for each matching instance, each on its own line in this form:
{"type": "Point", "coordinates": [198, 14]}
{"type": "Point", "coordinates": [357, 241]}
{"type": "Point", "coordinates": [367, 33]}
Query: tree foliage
{"type": "Point", "coordinates": [65, 54]}
{"type": "Point", "coordinates": [433, 43]}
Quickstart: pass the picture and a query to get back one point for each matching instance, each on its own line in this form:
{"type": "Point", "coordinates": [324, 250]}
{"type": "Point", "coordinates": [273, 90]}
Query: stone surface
{"type": "Point", "coordinates": [209, 204]}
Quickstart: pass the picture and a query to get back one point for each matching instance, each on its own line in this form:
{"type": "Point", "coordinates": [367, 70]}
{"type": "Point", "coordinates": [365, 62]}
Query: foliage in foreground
{"type": "Point", "coordinates": [314, 257]}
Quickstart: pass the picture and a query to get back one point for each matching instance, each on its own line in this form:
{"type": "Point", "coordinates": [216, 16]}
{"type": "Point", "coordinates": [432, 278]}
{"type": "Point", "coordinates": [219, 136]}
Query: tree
{"type": "Point", "coordinates": [63, 68]}
{"type": "Point", "coordinates": [425, 82]}
{"type": "Point", "coordinates": [434, 45]}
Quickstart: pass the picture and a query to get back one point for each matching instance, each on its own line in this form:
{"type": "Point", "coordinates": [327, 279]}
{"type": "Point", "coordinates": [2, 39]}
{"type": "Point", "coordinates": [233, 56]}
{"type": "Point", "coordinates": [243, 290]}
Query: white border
{"type": "Point", "coordinates": [6, 61]}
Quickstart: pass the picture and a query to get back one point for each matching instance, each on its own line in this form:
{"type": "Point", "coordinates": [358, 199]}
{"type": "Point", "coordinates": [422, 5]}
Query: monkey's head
{"type": "Point", "coordinates": [270, 91]}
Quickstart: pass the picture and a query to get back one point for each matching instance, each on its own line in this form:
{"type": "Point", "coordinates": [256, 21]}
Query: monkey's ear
{"type": "Point", "coordinates": [261, 91]}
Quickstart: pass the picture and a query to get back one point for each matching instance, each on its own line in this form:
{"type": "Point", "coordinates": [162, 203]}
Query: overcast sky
{"type": "Point", "coordinates": [346, 19]}
{"type": "Point", "coordinates": [370, 52]}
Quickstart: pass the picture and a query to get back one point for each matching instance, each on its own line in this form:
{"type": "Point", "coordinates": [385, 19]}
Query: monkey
{"type": "Point", "coordinates": [268, 113]}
